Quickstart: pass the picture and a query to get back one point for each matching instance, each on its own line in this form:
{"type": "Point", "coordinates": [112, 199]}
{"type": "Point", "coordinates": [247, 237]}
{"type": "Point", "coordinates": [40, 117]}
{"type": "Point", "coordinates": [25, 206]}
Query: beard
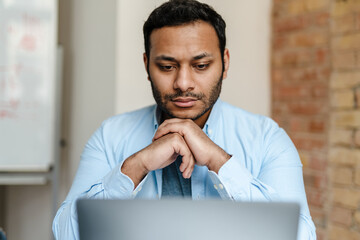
{"type": "Point", "coordinates": [208, 101]}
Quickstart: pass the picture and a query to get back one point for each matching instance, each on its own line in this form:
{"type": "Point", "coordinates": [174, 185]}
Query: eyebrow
{"type": "Point", "coordinates": [201, 56]}
{"type": "Point", "coordinates": [171, 59]}
{"type": "Point", "coordinates": [166, 58]}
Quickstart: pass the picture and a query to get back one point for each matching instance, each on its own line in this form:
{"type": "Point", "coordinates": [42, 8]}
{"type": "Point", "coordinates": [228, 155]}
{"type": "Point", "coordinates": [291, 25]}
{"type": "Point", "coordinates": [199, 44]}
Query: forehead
{"type": "Point", "coordinates": [184, 40]}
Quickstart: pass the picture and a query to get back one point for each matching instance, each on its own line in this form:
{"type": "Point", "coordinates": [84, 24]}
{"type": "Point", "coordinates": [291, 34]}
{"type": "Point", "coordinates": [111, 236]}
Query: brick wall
{"type": "Point", "coordinates": [344, 153]}
{"type": "Point", "coordinates": [316, 99]}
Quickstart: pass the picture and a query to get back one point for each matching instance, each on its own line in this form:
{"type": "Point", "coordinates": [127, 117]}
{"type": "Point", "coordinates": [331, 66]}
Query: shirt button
{"type": "Point", "coordinates": [210, 131]}
{"type": "Point", "coordinates": [139, 189]}
{"type": "Point", "coordinates": [221, 186]}
{"type": "Point", "coordinates": [215, 186]}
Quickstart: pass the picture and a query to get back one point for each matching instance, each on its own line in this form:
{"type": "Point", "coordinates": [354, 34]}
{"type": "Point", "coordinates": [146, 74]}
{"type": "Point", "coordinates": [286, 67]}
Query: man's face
{"type": "Point", "coordinates": [185, 69]}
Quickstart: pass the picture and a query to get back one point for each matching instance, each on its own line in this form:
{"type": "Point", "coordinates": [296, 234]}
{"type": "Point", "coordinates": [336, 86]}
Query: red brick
{"type": "Point", "coordinates": [277, 109]}
{"type": "Point", "coordinates": [279, 43]}
{"type": "Point", "coordinates": [290, 92]}
{"type": "Point", "coordinates": [296, 125]}
{"type": "Point", "coordinates": [306, 6]}
{"type": "Point", "coordinates": [303, 74]}
{"type": "Point", "coordinates": [318, 163]}
{"type": "Point", "coordinates": [357, 97]}
{"type": "Point", "coordinates": [308, 144]}
{"type": "Point", "coordinates": [309, 39]}
{"type": "Point", "coordinates": [318, 215]}
{"type": "Point", "coordinates": [289, 24]}
{"type": "Point", "coordinates": [320, 234]}
{"type": "Point", "coordinates": [277, 12]}
{"type": "Point", "coordinates": [322, 19]}
{"type": "Point", "coordinates": [317, 126]}
{"type": "Point", "coordinates": [279, 1]}
{"type": "Point", "coordinates": [307, 108]}
{"type": "Point", "coordinates": [278, 76]}
{"type": "Point", "coordinates": [320, 91]}
{"type": "Point", "coordinates": [293, 58]}
{"type": "Point", "coordinates": [309, 73]}
{"type": "Point", "coordinates": [315, 197]}
{"type": "Point", "coordinates": [322, 56]}
{"type": "Point", "coordinates": [315, 180]}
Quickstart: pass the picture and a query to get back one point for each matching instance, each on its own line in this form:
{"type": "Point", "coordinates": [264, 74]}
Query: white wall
{"type": "Point", "coordinates": [248, 36]}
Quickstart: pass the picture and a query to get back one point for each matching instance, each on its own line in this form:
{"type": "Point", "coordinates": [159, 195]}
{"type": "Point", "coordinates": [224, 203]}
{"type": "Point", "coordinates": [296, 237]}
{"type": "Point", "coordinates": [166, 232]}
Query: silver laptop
{"type": "Point", "coordinates": [186, 220]}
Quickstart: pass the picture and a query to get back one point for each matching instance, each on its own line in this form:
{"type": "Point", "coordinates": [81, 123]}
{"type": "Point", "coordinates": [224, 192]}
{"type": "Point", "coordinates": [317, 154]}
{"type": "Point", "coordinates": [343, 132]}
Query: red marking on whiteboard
{"type": "Point", "coordinates": [7, 114]}
{"type": "Point", "coordinates": [28, 42]}
{"type": "Point", "coordinates": [14, 103]}
{"type": "Point", "coordinates": [17, 68]}
{"type": "Point", "coordinates": [10, 29]}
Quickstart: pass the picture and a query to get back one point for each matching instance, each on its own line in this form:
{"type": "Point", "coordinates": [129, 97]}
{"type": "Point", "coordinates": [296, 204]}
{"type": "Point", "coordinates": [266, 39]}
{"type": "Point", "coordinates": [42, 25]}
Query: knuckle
{"type": "Point", "coordinates": [188, 122]}
{"type": "Point", "coordinates": [175, 136]}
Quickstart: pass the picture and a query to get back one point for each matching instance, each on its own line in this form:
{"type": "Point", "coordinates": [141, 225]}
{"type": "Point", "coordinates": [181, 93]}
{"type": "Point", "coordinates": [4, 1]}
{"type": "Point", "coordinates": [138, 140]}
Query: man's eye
{"type": "Point", "coordinates": [166, 67]}
{"type": "Point", "coordinates": [202, 66]}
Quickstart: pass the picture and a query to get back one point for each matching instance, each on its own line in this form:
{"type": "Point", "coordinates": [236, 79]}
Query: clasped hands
{"type": "Point", "coordinates": [176, 137]}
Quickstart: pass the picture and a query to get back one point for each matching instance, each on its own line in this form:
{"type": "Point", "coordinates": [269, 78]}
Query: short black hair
{"type": "Point", "coordinates": [180, 12]}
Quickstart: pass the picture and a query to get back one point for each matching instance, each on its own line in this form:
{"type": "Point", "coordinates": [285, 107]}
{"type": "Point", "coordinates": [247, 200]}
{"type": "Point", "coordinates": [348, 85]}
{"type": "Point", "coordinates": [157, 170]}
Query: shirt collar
{"type": "Point", "coordinates": [213, 118]}
{"type": "Point", "coordinates": [157, 117]}
{"type": "Point", "coordinates": [209, 125]}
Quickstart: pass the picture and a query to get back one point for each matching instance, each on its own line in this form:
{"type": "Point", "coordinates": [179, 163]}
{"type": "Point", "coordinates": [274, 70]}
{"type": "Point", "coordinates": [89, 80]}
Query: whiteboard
{"type": "Point", "coordinates": [28, 100]}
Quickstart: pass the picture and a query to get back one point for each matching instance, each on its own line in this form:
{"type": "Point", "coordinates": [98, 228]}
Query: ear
{"type": "Point", "coordinates": [226, 62]}
{"type": "Point", "coordinates": [146, 64]}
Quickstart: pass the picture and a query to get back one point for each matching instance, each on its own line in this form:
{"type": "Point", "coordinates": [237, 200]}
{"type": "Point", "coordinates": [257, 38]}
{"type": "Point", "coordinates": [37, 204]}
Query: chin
{"type": "Point", "coordinates": [183, 115]}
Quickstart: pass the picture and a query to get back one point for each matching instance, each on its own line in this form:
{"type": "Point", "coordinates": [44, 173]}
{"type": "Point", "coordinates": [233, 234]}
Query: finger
{"type": "Point", "coordinates": [176, 126]}
{"type": "Point", "coordinates": [188, 171]}
{"type": "Point", "coordinates": [188, 162]}
{"type": "Point", "coordinates": [183, 166]}
{"type": "Point", "coordinates": [182, 149]}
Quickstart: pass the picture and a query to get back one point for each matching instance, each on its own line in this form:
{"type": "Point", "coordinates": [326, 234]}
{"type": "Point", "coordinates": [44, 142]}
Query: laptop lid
{"type": "Point", "coordinates": [186, 220]}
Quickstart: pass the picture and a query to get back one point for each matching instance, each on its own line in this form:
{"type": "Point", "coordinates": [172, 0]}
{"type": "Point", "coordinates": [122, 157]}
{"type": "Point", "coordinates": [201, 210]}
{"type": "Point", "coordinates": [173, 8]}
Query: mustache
{"type": "Point", "coordinates": [198, 96]}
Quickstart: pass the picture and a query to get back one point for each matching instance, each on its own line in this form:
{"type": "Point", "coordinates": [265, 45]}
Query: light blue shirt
{"type": "Point", "coordinates": [264, 166]}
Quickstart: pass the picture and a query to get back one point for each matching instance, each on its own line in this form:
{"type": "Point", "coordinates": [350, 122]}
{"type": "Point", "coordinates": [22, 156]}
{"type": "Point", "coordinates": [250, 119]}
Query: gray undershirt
{"type": "Point", "coordinates": [174, 185]}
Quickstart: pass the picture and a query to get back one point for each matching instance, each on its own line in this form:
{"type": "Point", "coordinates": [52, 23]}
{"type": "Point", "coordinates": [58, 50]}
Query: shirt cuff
{"type": "Point", "coordinates": [118, 185]}
{"type": "Point", "coordinates": [233, 180]}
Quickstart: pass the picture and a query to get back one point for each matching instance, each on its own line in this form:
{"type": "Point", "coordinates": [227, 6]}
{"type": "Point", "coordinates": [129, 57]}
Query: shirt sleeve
{"type": "Point", "coordinates": [279, 179]}
{"type": "Point", "coordinates": [96, 179]}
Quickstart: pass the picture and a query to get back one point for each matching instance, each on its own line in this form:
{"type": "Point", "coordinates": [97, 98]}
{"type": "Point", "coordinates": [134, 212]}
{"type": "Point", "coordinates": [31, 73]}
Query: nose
{"type": "Point", "coordinates": [184, 80]}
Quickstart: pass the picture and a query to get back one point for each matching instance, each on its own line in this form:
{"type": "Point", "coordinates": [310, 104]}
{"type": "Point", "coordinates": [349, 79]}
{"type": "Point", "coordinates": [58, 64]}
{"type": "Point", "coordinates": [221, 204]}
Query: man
{"type": "Point", "coordinates": [191, 144]}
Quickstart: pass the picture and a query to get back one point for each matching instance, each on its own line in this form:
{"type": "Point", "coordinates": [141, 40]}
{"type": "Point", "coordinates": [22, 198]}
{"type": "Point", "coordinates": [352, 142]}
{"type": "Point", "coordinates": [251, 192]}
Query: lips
{"type": "Point", "coordinates": [184, 102]}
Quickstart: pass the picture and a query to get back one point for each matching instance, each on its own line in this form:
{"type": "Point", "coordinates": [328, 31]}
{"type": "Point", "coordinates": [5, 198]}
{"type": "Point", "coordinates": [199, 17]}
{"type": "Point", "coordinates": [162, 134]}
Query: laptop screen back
{"type": "Point", "coordinates": [186, 220]}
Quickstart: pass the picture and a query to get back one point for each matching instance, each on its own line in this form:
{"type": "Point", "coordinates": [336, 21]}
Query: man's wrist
{"type": "Point", "coordinates": [134, 168]}
{"type": "Point", "coordinates": [216, 163]}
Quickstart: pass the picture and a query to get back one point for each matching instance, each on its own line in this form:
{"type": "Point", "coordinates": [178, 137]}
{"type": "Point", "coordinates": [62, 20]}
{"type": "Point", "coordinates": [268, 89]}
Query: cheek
{"type": "Point", "coordinates": [161, 81]}
{"type": "Point", "coordinates": [208, 81]}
